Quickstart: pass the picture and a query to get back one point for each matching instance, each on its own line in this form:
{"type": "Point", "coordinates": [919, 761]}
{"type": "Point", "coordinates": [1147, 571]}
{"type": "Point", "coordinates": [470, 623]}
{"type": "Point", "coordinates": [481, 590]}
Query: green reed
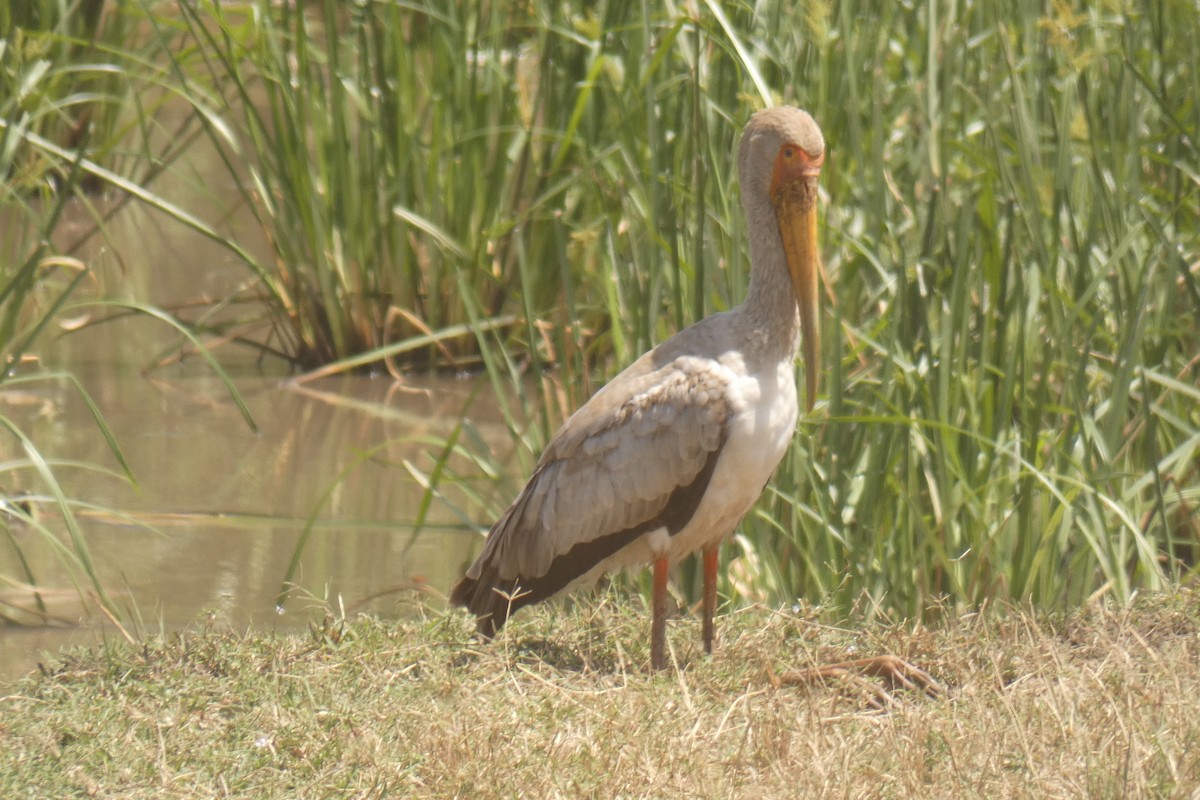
{"type": "Point", "coordinates": [1010, 236]}
{"type": "Point", "coordinates": [35, 285]}
{"type": "Point", "coordinates": [545, 161]}
{"type": "Point", "coordinates": [51, 91]}
{"type": "Point", "coordinates": [1013, 243]}
{"type": "Point", "coordinates": [66, 71]}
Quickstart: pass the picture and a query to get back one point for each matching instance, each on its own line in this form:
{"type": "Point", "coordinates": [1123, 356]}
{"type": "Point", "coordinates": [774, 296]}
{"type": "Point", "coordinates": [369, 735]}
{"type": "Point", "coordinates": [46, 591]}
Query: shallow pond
{"type": "Point", "coordinates": [215, 517]}
{"type": "Point", "coordinates": [211, 525]}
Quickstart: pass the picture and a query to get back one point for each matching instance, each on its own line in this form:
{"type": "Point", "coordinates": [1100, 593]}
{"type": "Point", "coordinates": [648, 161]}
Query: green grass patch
{"type": "Point", "coordinates": [1095, 703]}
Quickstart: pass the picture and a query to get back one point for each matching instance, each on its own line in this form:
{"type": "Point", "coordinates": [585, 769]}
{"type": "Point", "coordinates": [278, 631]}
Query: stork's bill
{"type": "Point", "coordinates": [794, 195]}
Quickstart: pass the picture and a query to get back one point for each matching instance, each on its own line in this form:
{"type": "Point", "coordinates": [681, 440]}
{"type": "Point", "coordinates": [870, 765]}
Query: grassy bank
{"type": "Point", "coordinates": [1009, 231]}
{"type": "Point", "coordinates": [1099, 703]}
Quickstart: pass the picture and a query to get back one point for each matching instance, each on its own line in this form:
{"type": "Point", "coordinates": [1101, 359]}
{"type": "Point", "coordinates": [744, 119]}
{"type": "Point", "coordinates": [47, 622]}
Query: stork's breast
{"type": "Point", "coordinates": [761, 425]}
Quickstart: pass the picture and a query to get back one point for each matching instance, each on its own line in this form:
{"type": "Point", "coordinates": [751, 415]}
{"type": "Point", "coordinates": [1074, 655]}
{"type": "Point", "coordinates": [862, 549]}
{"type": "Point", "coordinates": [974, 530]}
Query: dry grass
{"type": "Point", "coordinates": [1102, 703]}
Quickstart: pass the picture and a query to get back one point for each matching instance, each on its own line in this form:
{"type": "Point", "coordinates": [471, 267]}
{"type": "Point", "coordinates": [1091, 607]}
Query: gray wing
{"type": "Point", "coordinates": [626, 463]}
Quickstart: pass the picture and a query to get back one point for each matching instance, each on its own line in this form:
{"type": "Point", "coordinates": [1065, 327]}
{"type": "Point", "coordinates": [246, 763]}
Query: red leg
{"type": "Point", "coordinates": [658, 623]}
{"type": "Point", "coordinates": [711, 552]}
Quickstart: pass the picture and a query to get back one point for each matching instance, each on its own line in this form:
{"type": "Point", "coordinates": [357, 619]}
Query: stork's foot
{"type": "Point", "coordinates": [894, 672]}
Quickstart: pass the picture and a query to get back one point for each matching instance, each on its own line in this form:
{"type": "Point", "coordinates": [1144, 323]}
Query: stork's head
{"type": "Point", "coordinates": [779, 161]}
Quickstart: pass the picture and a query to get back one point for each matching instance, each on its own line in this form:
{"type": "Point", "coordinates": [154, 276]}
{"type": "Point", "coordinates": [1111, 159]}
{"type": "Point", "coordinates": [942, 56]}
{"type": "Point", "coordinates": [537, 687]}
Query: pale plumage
{"type": "Point", "coordinates": [671, 454]}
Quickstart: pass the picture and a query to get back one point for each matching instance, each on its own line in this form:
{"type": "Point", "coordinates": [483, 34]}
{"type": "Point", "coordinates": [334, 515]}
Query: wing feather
{"type": "Point", "coordinates": [613, 468]}
{"type": "Point", "coordinates": [617, 471]}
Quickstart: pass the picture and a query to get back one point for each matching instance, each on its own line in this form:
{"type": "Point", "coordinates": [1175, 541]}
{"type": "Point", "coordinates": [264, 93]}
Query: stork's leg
{"type": "Point", "coordinates": [658, 623]}
{"type": "Point", "coordinates": [709, 607]}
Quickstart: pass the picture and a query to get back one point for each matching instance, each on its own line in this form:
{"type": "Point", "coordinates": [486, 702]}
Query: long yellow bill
{"type": "Point", "coordinates": [796, 210]}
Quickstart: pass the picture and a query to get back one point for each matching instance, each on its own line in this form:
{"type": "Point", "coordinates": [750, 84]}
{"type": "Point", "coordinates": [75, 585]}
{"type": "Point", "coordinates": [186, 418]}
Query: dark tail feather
{"type": "Point", "coordinates": [493, 599]}
{"type": "Point", "coordinates": [463, 592]}
{"type": "Point", "coordinates": [491, 604]}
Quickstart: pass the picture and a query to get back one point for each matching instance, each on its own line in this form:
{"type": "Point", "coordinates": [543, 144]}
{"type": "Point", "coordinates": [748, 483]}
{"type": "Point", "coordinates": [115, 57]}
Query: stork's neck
{"type": "Point", "coordinates": [770, 305]}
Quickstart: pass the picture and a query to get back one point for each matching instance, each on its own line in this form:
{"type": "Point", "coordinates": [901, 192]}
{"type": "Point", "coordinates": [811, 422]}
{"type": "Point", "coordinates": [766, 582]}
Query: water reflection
{"type": "Point", "coordinates": [218, 509]}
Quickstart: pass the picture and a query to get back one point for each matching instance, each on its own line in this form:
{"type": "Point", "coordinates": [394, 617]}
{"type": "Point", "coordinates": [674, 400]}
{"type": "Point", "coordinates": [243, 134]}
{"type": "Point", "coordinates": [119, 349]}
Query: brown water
{"type": "Point", "coordinates": [217, 512]}
{"type": "Point", "coordinates": [208, 530]}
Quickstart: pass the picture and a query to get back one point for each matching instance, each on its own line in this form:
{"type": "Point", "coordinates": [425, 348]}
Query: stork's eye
{"type": "Point", "coordinates": [788, 152]}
